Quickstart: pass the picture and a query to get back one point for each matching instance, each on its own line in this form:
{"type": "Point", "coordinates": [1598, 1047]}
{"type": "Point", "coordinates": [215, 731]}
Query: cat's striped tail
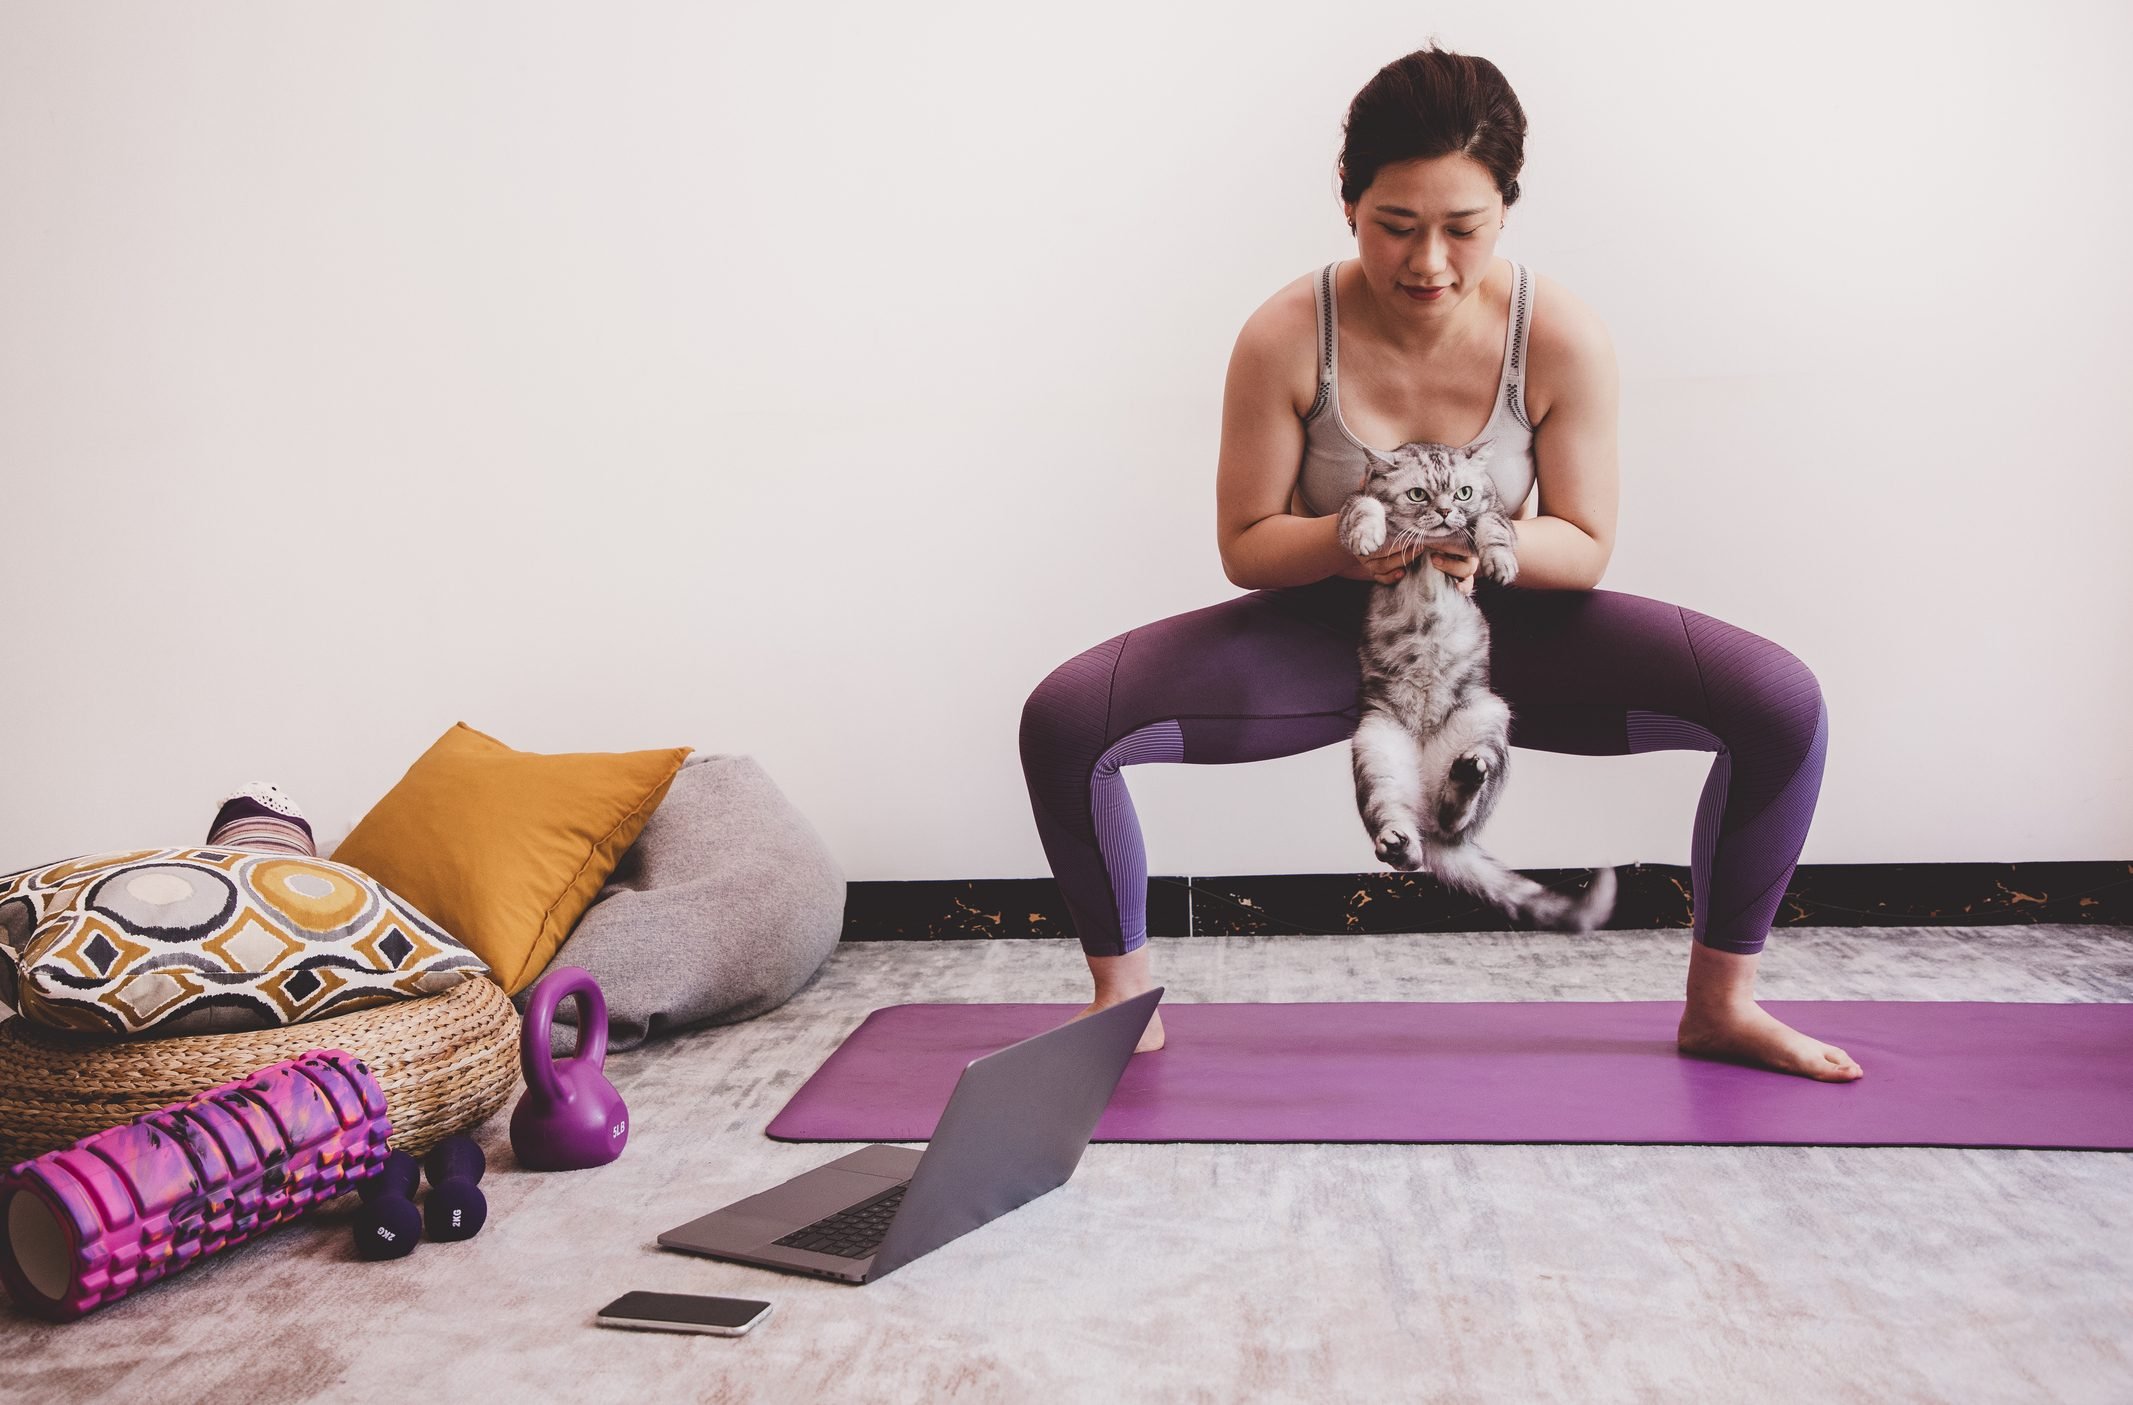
{"type": "Point", "coordinates": [1470, 868]}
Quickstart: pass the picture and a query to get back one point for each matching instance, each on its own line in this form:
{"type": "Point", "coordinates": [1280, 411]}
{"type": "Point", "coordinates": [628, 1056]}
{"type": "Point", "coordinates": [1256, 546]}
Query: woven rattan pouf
{"type": "Point", "coordinates": [446, 1062]}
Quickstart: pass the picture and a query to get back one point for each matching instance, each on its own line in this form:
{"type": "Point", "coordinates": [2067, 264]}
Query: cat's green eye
{"type": "Point", "coordinates": [1465, 492]}
{"type": "Point", "coordinates": [1418, 495]}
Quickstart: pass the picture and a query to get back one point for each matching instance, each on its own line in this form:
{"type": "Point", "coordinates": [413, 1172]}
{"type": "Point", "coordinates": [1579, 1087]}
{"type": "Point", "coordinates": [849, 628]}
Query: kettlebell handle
{"type": "Point", "coordinates": [556, 987]}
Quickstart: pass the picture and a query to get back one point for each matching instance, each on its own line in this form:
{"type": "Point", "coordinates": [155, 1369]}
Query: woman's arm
{"type": "Point", "coordinates": [1575, 459]}
{"type": "Point", "coordinates": [1264, 543]}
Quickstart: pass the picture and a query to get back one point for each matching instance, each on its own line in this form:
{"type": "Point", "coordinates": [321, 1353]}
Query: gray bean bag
{"type": "Point", "coordinates": [723, 908]}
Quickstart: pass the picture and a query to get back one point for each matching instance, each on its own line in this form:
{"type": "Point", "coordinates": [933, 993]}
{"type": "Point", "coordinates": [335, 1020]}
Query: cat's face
{"type": "Point", "coordinates": [1432, 491]}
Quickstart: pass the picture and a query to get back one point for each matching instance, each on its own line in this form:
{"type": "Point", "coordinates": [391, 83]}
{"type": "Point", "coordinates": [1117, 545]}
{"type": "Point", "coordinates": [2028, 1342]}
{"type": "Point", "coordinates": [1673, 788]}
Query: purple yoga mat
{"type": "Point", "coordinates": [1938, 1073]}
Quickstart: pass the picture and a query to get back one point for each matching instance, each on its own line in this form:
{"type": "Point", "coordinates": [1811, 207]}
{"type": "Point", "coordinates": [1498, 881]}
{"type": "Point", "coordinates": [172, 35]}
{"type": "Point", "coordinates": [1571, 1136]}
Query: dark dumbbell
{"type": "Point", "coordinates": [455, 1209]}
{"type": "Point", "coordinates": [389, 1226]}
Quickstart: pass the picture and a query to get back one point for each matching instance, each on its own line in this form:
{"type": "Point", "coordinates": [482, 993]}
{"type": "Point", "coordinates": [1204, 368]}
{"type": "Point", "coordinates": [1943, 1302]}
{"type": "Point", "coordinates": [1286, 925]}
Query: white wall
{"type": "Point", "coordinates": [809, 383]}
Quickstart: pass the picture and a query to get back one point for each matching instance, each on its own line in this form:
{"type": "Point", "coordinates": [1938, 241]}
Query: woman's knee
{"type": "Point", "coordinates": [1066, 718]}
{"type": "Point", "coordinates": [1764, 700]}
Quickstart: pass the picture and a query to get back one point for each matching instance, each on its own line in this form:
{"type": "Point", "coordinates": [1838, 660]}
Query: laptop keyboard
{"type": "Point", "coordinates": [852, 1233]}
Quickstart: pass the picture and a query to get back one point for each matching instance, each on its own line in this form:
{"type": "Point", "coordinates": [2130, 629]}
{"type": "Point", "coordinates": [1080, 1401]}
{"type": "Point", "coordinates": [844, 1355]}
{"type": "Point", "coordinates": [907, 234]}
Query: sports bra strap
{"type": "Point", "coordinates": [1514, 370]}
{"type": "Point", "coordinates": [1321, 295]}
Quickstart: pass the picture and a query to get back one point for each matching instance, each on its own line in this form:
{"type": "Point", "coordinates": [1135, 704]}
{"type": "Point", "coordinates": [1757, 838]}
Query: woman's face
{"type": "Point", "coordinates": [1427, 224]}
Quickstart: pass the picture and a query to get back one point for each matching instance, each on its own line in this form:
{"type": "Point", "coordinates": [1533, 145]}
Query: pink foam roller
{"type": "Point", "coordinates": [89, 1223]}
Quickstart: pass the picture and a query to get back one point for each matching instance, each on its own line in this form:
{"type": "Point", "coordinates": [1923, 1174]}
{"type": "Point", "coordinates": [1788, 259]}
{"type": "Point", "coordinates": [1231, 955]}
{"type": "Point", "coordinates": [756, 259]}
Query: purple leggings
{"type": "Point", "coordinates": [1274, 672]}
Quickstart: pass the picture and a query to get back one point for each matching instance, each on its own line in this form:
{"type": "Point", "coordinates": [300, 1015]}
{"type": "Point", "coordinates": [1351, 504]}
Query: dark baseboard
{"type": "Point", "coordinates": [1651, 895]}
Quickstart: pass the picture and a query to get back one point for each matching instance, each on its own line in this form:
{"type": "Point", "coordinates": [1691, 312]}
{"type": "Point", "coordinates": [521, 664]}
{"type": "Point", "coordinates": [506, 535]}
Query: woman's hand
{"type": "Point", "coordinates": [1456, 559]}
{"type": "Point", "coordinates": [1390, 565]}
{"type": "Point", "coordinates": [1385, 566]}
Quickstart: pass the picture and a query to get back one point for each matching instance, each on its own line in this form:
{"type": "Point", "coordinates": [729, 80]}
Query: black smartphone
{"type": "Point", "coordinates": [683, 1312]}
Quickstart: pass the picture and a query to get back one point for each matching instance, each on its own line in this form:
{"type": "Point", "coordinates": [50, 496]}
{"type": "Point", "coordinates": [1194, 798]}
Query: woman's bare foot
{"type": "Point", "coordinates": [1151, 1037]}
{"type": "Point", "coordinates": [1120, 978]}
{"type": "Point", "coordinates": [1722, 1021]}
{"type": "Point", "coordinates": [1752, 1035]}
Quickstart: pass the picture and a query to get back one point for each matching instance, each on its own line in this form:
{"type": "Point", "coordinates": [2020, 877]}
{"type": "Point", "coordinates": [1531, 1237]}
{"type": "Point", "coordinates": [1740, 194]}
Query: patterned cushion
{"type": "Point", "coordinates": [202, 940]}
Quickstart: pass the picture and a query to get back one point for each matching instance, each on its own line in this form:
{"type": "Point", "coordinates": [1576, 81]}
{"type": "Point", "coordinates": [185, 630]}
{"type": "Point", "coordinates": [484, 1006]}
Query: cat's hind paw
{"type": "Point", "coordinates": [1400, 848]}
{"type": "Point", "coordinates": [1455, 807]}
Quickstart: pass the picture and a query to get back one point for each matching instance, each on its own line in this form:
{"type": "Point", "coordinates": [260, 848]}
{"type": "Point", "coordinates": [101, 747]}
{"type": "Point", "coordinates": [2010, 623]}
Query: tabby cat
{"type": "Point", "coordinates": [1434, 741]}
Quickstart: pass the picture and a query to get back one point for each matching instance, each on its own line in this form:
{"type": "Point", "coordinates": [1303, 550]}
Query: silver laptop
{"type": "Point", "coordinates": [1014, 1128]}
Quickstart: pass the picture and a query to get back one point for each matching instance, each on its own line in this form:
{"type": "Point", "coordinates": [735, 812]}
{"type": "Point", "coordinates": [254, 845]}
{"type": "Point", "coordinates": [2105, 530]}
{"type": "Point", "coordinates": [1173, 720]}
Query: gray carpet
{"type": "Point", "coordinates": [1225, 1273]}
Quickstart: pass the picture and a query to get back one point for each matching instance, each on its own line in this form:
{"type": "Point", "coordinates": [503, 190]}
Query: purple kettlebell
{"type": "Point", "coordinates": [570, 1116]}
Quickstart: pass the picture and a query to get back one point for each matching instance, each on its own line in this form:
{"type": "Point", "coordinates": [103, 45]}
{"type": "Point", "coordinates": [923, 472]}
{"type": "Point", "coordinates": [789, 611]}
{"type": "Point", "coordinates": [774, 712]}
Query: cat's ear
{"type": "Point", "coordinates": [1479, 450]}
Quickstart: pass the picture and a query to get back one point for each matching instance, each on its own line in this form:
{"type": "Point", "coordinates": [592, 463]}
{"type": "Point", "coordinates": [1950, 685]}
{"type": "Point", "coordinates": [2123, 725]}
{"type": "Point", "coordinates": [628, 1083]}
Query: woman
{"type": "Point", "coordinates": [1422, 337]}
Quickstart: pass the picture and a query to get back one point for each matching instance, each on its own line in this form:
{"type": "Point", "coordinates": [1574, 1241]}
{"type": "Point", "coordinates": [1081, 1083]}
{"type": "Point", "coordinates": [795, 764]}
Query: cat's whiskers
{"type": "Point", "coordinates": [1406, 534]}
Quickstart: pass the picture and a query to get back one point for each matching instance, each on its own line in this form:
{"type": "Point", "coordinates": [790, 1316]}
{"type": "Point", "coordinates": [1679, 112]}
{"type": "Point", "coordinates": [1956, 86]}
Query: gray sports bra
{"type": "Point", "coordinates": [1334, 460]}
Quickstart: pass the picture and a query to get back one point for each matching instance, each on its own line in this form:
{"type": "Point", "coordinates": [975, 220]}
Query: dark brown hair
{"type": "Point", "coordinates": [1429, 104]}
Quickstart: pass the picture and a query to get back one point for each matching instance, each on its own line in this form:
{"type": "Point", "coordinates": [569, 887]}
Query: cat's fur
{"type": "Point", "coordinates": [1433, 745]}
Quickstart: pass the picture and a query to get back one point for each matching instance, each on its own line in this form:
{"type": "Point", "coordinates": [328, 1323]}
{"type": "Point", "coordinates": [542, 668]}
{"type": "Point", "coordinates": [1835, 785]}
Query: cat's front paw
{"type": "Point", "coordinates": [1362, 526]}
{"type": "Point", "coordinates": [1499, 564]}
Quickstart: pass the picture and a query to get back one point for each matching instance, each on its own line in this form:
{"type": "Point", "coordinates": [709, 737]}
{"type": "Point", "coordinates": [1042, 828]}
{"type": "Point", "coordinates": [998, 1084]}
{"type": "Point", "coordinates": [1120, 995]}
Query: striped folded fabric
{"type": "Point", "coordinates": [260, 816]}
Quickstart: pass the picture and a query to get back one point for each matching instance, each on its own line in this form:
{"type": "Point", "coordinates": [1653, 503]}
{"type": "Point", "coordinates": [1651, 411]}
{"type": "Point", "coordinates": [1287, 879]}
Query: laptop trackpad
{"type": "Point", "coordinates": [749, 1224]}
{"type": "Point", "coordinates": [822, 1191]}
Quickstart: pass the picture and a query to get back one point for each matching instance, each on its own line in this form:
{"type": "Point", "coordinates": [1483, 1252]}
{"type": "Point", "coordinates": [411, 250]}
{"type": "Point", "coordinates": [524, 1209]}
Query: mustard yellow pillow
{"type": "Point", "coordinates": [506, 849]}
